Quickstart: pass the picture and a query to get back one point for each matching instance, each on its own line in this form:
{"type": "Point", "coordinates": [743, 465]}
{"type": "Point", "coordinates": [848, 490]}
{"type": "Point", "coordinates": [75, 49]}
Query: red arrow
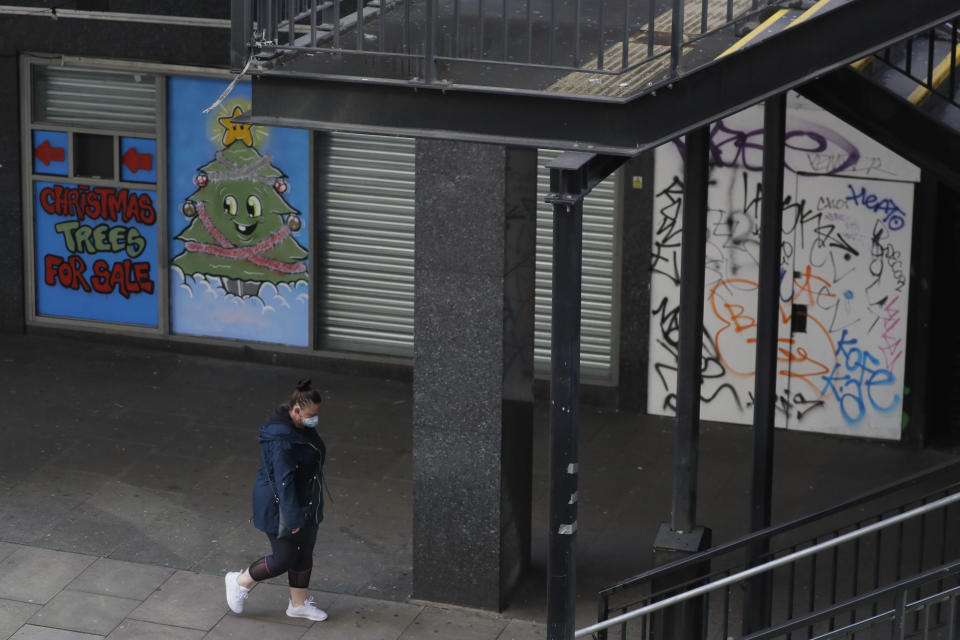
{"type": "Point", "coordinates": [135, 161]}
{"type": "Point", "coordinates": [47, 154]}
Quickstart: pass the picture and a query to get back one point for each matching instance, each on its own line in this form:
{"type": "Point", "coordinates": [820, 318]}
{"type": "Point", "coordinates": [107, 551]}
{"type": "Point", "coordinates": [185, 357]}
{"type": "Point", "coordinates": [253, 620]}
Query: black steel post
{"type": "Point", "coordinates": [682, 537]}
{"type": "Point", "coordinates": [291, 22]}
{"type": "Point", "coordinates": [757, 602]}
{"type": "Point", "coordinates": [241, 32]}
{"type": "Point", "coordinates": [676, 37]}
{"type": "Point", "coordinates": [921, 358]}
{"type": "Point", "coordinates": [564, 417]}
{"type": "Point", "coordinates": [572, 176]}
{"type": "Point", "coordinates": [429, 42]}
{"type": "Point", "coordinates": [692, 267]}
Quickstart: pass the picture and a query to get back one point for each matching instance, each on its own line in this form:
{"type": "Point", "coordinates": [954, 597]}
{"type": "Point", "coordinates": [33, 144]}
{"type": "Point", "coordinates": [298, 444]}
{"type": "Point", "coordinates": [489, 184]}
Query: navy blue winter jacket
{"type": "Point", "coordinates": [292, 459]}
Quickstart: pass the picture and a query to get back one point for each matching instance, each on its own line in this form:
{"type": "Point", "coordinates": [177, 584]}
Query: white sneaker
{"type": "Point", "coordinates": [236, 594]}
{"type": "Point", "coordinates": [306, 610]}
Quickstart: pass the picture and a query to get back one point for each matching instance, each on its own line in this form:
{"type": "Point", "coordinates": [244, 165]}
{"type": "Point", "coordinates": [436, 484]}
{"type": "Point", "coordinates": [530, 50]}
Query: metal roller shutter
{"type": "Point", "coordinates": [95, 98]}
{"type": "Point", "coordinates": [367, 300]}
{"type": "Point", "coordinates": [598, 280]}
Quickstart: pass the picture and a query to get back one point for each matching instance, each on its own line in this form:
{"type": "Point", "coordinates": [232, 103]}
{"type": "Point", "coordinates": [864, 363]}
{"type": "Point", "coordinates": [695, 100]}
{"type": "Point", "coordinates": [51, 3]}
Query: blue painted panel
{"type": "Point", "coordinates": [138, 160]}
{"type": "Point", "coordinates": [238, 270]}
{"type": "Point", "coordinates": [96, 253]}
{"type": "Point", "coordinates": [50, 152]}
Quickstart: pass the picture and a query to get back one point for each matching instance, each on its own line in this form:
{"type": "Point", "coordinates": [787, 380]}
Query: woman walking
{"type": "Point", "coordinates": [287, 502]}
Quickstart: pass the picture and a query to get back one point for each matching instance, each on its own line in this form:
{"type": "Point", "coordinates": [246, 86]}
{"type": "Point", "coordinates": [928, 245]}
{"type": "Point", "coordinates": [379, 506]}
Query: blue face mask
{"type": "Point", "coordinates": [311, 422]}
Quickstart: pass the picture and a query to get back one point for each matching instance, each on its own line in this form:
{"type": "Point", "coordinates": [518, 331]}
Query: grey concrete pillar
{"type": "Point", "coordinates": [473, 371]}
{"type": "Point", "coordinates": [637, 233]}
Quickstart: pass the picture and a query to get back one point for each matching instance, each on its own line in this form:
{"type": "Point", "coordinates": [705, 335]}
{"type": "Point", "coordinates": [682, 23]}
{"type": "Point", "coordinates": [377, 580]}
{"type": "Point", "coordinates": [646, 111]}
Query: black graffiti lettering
{"type": "Point", "coordinates": [667, 236]}
{"type": "Point", "coordinates": [730, 389]}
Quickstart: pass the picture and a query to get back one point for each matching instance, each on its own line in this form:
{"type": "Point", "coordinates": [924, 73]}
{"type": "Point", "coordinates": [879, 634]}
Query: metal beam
{"type": "Point", "coordinates": [757, 603]}
{"type": "Point", "coordinates": [572, 176]}
{"type": "Point", "coordinates": [681, 537]}
{"type": "Point", "coordinates": [768, 306]}
{"type": "Point", "coordinates": [690, 351]}
{"type": "Point", "coordinates": [610, 126]}
{"type": "Point", "coordinates": [241, 18]}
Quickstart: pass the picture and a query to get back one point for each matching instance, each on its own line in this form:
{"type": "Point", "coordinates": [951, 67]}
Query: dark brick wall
{"type": "Point", "coordinates": [205, 9]}
{"type": "Point", "coordinates": [11, 240]}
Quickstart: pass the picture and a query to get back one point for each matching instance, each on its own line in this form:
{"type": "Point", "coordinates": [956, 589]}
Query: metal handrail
{"type": "Point", "coordinates": [900, 587]}
{"type": "Point", "coordinates": [774, 530]}
{"type": "Point", "coordinates": [267, 20]}
{"type": "Point", "coordinates": [938, 76]}
{"type": "Point", "coordinates": [767, 566]}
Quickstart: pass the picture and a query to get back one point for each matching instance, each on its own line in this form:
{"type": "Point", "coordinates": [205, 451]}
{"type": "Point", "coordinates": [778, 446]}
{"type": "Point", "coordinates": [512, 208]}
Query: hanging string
{"type": "Point", "coordinates": [230, 87]}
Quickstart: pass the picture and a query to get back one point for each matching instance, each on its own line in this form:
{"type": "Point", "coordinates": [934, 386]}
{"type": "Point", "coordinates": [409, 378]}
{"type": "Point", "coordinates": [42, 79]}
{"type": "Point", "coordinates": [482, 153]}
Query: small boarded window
{"type": "Point", "coordinates": [95, 98]}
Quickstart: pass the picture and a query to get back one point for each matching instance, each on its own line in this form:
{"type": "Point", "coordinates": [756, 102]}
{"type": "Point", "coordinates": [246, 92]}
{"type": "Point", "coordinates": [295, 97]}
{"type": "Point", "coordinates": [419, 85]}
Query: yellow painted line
{"type": "Point", "coordinates": [810, 12]}
{"type": "Point", "coordinates": [940, 73]}
{"type": "Point", "coordinates": [776, 16]}
{"type": "Point", "coordinates": [862, 63]}
{"type": "Point", "coordinates": [742, 42]}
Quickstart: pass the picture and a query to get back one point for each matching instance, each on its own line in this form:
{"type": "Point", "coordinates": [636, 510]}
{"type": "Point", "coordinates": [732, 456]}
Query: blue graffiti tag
{"type": "Point", "coordinates": [858, 374]}
{"type": "Point", "coordinates": [893, 215]}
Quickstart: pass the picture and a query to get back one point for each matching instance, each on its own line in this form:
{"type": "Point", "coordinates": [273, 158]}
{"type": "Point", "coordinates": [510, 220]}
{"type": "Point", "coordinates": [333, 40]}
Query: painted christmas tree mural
{"type": "Point", "coordinates": [241, 228]}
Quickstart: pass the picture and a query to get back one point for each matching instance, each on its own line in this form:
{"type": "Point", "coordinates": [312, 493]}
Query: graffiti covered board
{"type": "Point", "coordinates": [96, 253]}
{"type": "Point", "coordinates": [239, 223]}
{"type": "Point", "coordinates": [845, 255]}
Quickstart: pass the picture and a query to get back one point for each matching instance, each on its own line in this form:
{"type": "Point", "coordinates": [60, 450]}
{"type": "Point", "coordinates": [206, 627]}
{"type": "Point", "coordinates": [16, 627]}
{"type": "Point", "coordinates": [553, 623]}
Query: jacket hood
{"type": "Point", "coordinates": [279, 426]}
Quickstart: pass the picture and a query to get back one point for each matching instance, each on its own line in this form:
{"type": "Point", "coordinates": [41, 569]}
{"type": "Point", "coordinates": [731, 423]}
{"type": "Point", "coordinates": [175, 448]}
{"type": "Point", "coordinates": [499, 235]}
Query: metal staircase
{"type": "Point", "coordinates": [906, 96]}
{"type": "Point", "coordinates": [617, 76]}
{"type": "Point", "coordinates": [922, 70]}
{"type": "Point", "coordinates": [885, 564]}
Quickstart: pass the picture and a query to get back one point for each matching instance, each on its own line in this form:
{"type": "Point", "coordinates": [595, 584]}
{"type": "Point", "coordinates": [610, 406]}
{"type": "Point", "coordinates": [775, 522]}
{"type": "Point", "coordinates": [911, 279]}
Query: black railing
{"type": "Point", "coordinates": [930, 62]}
{"type": "Point", "coordinates": [602, 37]}
{"type": "Point", "coordinates": [920, 607]}
{"type": "Point", "coordinates": [820, 580]}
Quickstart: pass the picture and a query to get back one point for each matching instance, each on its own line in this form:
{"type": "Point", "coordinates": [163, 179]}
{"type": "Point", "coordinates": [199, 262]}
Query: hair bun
{"type": "Point", "coordinates": [303, 385]}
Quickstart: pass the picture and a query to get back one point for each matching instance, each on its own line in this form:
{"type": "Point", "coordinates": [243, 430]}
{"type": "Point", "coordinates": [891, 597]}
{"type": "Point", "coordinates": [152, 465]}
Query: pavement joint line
{"type": "Point", "coordinates": [336, 597]}
{"type": "Point", "coordinates": [413, 619]}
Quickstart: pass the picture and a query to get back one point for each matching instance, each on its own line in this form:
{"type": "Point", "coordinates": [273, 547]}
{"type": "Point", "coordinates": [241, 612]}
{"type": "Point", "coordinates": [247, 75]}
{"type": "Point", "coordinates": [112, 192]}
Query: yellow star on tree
{"type": "Point", "coordinates": [236, 130]}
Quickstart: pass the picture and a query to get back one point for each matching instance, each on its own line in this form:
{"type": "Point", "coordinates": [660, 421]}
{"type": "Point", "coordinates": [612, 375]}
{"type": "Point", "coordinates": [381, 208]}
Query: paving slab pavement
{"type": "Point", "coordinates": [71, 596]}
{"type": "Point", "coordinates": [126, 473]}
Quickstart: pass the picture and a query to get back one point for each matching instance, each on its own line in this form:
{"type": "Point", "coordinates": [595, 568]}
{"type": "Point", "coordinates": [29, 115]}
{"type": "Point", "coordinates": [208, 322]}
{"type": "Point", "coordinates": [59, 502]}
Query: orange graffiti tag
{"type": "Point", "coordinates": [805, 284]}
{"type": "Point", "coordinates": [735, 340]}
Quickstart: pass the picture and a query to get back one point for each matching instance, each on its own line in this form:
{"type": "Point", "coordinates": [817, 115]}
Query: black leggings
{"type": "Point", "coordinates": [291, 555]}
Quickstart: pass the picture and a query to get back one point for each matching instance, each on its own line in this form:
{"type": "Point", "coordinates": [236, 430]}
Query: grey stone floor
{"type": "Point", "coordinates": [125, 477]}
{"type": "Point", "coordinates": [58, 595]}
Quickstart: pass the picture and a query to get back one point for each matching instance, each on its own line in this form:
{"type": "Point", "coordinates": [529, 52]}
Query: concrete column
{"type": "Point", "coordinates": [637, 233]}
{"type": "Point", "coordinates": [473, 371]}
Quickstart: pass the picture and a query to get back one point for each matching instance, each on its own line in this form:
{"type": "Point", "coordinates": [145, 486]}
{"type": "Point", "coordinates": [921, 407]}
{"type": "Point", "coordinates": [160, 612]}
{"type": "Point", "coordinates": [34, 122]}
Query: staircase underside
{"type": "Point", "coordinates": [931, 141]}
{"type": "Point", "coordinates": [299, 97]}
